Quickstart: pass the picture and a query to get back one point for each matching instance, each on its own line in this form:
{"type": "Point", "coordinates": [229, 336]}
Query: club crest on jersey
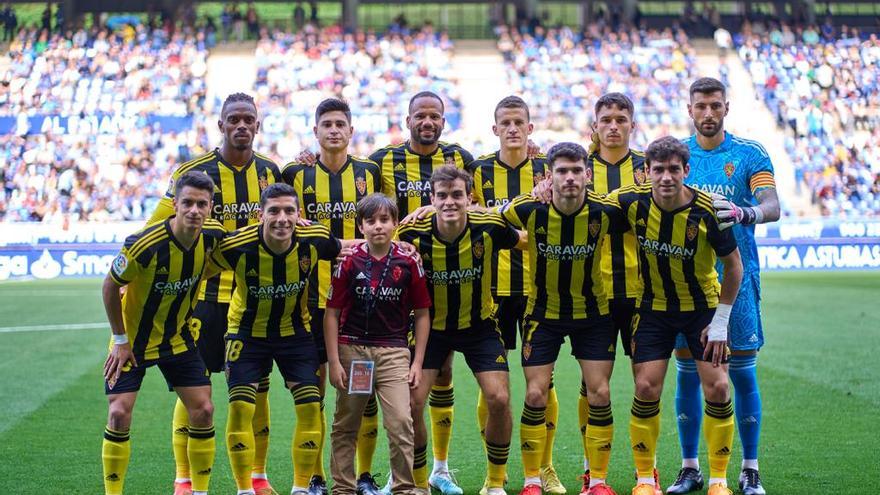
{"type": "Point", "coordinates": [729, 169]}
{"type": "Point", "coordinates": [264, 182]}
{"type": "Point", "coordinates": [361, 184]}
{"type": "Point", "coordinates": [691, 231]}
{"type": "Point", "coordinates": [478, 249]}
{"type": "Point", "coordinates": [639, 176]}
{"type": "Point", "coordinates": [589, 173]}
{"type": "Point", "coordinates": [595, 226]}
{"type": "Point", "coordinates": [305, 262]}
{"type": "Point", "coordinates": [396, 273]}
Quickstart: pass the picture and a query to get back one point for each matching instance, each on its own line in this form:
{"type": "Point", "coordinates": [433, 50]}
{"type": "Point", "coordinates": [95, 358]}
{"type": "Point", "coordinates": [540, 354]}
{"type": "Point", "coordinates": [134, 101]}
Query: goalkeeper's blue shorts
{"type": "Point", "coordinates": [745, 331]}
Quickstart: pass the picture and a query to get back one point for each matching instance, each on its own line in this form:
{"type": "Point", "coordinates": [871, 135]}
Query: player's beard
{"type": "Point", "coordinates": [417, 137]}
{"type": "Point", "coordinates": [243, 147]}
{"type": "Point", "coordinates": [719, 126]}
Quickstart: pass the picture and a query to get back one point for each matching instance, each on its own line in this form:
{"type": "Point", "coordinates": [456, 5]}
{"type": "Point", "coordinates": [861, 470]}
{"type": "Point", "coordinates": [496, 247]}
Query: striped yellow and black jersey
{"type": "Point", "coordinates": [496, 184]}
{"type": "Point", "coordinates": [270, 299]}
{"type": "Point", "coordinates": [161, 278]}
{"type": "Point", "coordinates": [566, 280]}
{"type": "Point", "coordinates": [236, 203]}
{"type": "Point", "coordinates": [677, 249]}
{"type": "Point", "coordinates": [619, 252]}
{"type": "Point", "coordinates": [331, 199]}
{"type": "Point", "coordinates": [408, 173]}
{"type": "Point", "coordinates": [459, 272]}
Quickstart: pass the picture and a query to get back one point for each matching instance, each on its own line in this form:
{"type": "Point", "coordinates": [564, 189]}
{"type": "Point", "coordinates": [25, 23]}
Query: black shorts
{"type": "Point", "coordinates": [208, 325]}
{"type": "Point", "coordinates": [510, 311]}
{"type": "Point", "coordinates": [592, 339]}
{"type": "Point", "coordinates": [654, 333]}
{"type": "Point", "coordinates": [183, 370]}
{"type": "Point", "coordinates": [317, 325]}
{"type": "Point", "coordinates": [250, 359]}
{"type": "Point", "coordinates": [481, 346]}
{"type": "Point", "coordinates": [622, 312]}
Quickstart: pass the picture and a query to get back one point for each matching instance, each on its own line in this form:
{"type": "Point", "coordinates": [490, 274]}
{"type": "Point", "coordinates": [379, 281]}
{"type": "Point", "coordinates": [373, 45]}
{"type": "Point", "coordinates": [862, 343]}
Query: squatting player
{"type": "Point", "coordinates": [679, 243]}
{"type": "Point", "coordinates": [740, 170]}
{"type": "Point", "coordinates": [161, 266]}
{"type": "Point", "coordinates": [568, 294]}
{"type": "Point", "coordinates": [329, 192]}
{"type": "Point", "coordinates": [240, 175]}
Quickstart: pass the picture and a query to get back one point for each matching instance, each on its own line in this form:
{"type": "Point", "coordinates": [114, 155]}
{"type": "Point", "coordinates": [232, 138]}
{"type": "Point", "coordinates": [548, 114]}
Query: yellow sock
{"type": "Point", "coordinates": [179, 440]}
{"type": "Point", "coordinates": [552, 417]}
{"type": "Point", "coordinates": [482, 415]}
{"type": "Point", "coordinates": [367, 436]}
{"type": "Point", "coordinates": [420, 466]}
{"type": "Point", "coordinates": [583, 417]}
{"type": "Point", "coordinates": [260, 424]}
{"type": "Point", "coordinates": [644, 428]}
{"type": "Point", "coordinates": [600, 432]}
{"type": "Point", "coordinates": [497, 466]}
{"type": "Point", "coordinates": [440, 402]}
{"type": "Point", "coordinates": [240, 434]}
{"type": "Point", "coordinates": [307, 434]}
{"type": "Point", "coordinates": [200, 450]}
{"type": "Point", "coordinates": [532, 434]}
{"type": "Point", "coordinates": [718, 430]}
{"type": "Point", "coordinates": [115, 453]}
{"type": "Point", "coordinates": [318, 470]}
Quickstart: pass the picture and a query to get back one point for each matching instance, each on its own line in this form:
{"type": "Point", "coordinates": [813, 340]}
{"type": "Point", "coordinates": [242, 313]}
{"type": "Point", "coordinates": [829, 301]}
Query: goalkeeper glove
{"type": "Point", "coordinates": [729, 214]}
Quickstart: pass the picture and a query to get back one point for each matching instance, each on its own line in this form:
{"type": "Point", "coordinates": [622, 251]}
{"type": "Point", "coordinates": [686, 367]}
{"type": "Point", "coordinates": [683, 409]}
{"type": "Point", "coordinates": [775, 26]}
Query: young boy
{"type": "Point", "coordinates": [367, 319]}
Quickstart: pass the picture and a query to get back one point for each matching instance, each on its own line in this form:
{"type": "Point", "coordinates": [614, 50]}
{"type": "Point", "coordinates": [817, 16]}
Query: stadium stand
{"type": "Point", "coordinates": [561, 72]}
{"type": "Point", "coordinates": [824, 89]}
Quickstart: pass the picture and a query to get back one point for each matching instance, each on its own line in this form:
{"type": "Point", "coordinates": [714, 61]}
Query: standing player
{"type": "Point", "coordinates": [269, 320]}
{"type": "Point", "coordinates": [240, 175]}
{"type": "Point", "coordinates": [679, 243]}
{"type": "Point", "coordinates": [740, 170]}
{"type": "Point", "coordinates": [407, 170]}
{"type": "Point", "coordinates": [160, 266]}
{"type": "Point", "coordinates": [567, 296]}
{"type": "Point", "coordinates": [329, 192]}
{"type": "Point", "coordinates": [457, 252]}
{"type": "Point", "coordinates": [498, 178]}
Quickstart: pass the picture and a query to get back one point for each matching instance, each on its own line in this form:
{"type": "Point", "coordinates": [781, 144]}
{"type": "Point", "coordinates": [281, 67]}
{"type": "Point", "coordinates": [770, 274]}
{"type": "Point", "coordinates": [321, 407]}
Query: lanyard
{"type": "Point", "coordinates": [368, 268]}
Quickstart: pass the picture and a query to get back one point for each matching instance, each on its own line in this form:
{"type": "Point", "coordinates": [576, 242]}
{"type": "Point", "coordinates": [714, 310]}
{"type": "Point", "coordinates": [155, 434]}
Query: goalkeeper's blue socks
{"type": "Point", "coordinates": [747, 402]}
{"type": "Point", "coordinates": [688, 410]}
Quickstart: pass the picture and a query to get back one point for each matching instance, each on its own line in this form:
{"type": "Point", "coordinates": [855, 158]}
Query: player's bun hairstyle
{"type": "Point", "coordinates": [374, 204]}
{"type": "Point", "coordinates": [570, 151]}
{"type": "Point", "coordinates": [449, 173]}
{"type": "Point", "coordinates": [618, 100]}
{"type": "Point", "coordinates": [666, 147]}
{"type": "Point", "coordinates": [197, 180]}
{"type": "Point", "coordinates": [278, 190]}
{"type": "Point", "coordinates": [707, 86]}
{"type": "Point", "coordinates": [512, 102]}
{"type": "Point", "coordinates": [235, 98]}
{"type": "Point", "coordinates": [426, 94]}
{"type": "Point", "coordinates": [332, 105]}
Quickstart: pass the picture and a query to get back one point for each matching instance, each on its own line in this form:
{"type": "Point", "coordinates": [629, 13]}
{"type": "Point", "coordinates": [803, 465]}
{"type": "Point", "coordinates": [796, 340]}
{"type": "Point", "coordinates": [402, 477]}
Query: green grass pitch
{"type": "Point", "coordinates": [819, 377]}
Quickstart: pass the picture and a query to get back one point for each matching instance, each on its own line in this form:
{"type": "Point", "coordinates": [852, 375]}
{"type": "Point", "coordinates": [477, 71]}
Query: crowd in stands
{"type": "Point", "coordinates": [127, 77]}
{"type": "Point", "coordinates": [376, 74]}
{"type": "Point", "coordinates": [823, 86]}
{"type": "Point", "coordinates": [562, 72]}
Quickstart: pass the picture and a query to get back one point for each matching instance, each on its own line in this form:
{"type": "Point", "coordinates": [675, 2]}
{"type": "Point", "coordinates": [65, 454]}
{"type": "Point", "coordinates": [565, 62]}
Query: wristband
{"type": "Point", "coordinates": [119, 339]}
{"type": "Point", "coordinates": [718, 326]}
{"type": "Point", "coordinates": [759, 214]}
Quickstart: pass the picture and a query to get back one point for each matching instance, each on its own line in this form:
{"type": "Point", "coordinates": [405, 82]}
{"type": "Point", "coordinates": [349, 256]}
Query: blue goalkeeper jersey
{"type": "Point", "coordinates": [738, 169]}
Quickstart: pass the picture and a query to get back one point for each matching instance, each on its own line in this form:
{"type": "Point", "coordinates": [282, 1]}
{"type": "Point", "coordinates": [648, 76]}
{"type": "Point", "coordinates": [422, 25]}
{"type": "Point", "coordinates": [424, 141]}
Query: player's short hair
{"type": "Point", "coordinates": [618, 100]}
{"type": "Point", "coordinates": [449, 173]}
{"type": "Point", "coordinates": [571, 151]}
{"type": "Point", "coordinates": [664, 148]}
{"type": "Point", "coordinates": [332, 105]}
{"type": "Point", "coordinates": [512, 101]}
{"type": "Point", "coordinates": [197, 180]}
{"type": "Point", "coordinates": [707, 86]}
{"type": "Point", "coordinates": [426, 94]}
{"type": "Point", "coordinates": [235, 98]}
{"type": "Point", "coordinates": [374, 204]}
{"type": "Point", "coordinates": [278, 190]}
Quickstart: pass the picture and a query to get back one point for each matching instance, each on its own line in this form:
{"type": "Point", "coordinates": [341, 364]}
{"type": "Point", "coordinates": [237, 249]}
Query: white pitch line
{"type": "Point", "coordinates": [45, 328]}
